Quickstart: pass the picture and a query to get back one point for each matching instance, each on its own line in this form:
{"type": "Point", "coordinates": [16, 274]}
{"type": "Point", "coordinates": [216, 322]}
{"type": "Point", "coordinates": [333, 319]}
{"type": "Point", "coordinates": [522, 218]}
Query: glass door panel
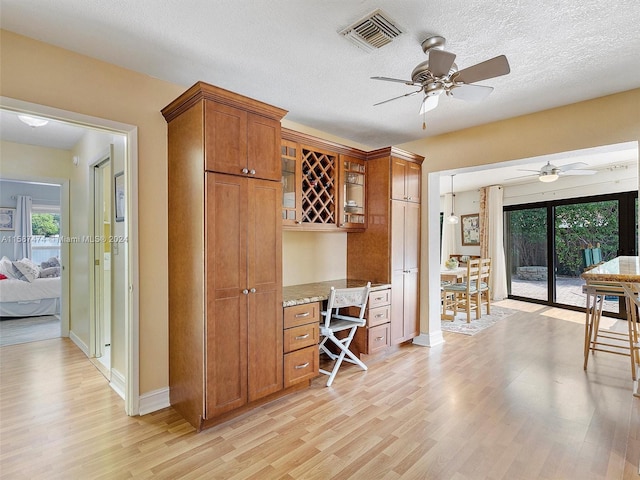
{"type": "Point", "coordinates": [579, 226]}
{"type": "Point", "coordinates": [527, 257]}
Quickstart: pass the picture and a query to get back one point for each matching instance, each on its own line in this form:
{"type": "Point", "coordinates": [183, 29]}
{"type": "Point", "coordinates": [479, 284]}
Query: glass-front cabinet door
{"type": "Point", "coordinates": [291, 181]}
{"type": "Point", "coordinates": [352, 203]}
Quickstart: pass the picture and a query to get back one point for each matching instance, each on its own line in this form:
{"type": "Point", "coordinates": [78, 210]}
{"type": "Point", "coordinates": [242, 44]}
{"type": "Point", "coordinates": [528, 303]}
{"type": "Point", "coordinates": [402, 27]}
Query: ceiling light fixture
{"type": "Point", "coordinates": [33, 122]}
{"type": "Point", "coordinates": [548, 177]}
{"type": "Point", "coordinates": [453, 218]}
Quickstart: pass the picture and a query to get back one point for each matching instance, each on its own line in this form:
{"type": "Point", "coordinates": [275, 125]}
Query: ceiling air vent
{"type": "Point", "coordinates": [373, 31]}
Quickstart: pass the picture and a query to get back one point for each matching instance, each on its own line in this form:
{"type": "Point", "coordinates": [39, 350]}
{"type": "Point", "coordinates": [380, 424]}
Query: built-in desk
{"type": "Point", "coordinates": [302, 303]}
{"type": "Point", "coordinates": [319, 291]}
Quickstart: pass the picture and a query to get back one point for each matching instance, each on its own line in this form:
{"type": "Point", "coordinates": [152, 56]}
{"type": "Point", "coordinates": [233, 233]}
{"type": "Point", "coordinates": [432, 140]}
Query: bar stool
{"type": "Point", "coordinates": [601, 340]}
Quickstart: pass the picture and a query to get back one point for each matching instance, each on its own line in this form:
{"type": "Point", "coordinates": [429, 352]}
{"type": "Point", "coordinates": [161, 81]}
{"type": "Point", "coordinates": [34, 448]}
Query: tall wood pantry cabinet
{"type": "Point", "coordinates": [225, 253]}
{"type": "Point", "coordinates": [388, 251]}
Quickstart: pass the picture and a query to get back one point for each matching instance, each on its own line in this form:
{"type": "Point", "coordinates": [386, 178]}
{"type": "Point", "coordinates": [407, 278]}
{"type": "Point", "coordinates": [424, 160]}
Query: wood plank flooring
{"type": "Point", "coordinates": [511, 402]}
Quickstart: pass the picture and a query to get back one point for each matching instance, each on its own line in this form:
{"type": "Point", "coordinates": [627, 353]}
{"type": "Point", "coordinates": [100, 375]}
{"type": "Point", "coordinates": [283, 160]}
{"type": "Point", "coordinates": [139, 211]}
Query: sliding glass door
{"type": "Point", "coordinates": [545, 241]}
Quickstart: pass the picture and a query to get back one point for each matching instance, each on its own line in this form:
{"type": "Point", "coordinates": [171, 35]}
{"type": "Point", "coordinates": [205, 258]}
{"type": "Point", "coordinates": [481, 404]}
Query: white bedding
{"type": "Point", "coordinates": [22, 291]}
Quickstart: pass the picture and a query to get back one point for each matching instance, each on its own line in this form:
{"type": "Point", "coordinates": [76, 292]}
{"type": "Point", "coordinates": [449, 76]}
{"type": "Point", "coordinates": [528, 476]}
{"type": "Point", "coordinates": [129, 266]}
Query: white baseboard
{"type": "Point", "coordinates": [154, 400]}
{"type": "Point", "coordinates": [429, 340]}
{"type": "Point", "coordinates": [117, 382]}
{"type": "Point", "coordinates": [79, 343]}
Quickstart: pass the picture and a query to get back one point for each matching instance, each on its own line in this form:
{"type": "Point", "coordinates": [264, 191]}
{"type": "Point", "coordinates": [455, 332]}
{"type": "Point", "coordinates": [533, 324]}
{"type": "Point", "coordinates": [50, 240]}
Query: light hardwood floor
{"type": "Point", "coordinates": [509, 403]}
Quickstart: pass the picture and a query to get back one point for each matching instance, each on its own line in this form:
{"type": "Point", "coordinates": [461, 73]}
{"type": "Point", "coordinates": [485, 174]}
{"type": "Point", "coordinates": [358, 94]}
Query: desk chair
{"type": "Point", "coordinates": [333, 321]}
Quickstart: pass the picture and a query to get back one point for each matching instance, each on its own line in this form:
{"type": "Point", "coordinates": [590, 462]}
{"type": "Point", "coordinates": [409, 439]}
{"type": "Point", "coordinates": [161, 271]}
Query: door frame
{"type": "Point", "coordinates": [132, 281]}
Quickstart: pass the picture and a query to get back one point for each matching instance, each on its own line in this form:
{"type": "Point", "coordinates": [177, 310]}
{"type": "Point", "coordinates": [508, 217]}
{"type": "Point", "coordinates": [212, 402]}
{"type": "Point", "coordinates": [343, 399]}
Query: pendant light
{"type": "Point", "coordinates": [453, 218]}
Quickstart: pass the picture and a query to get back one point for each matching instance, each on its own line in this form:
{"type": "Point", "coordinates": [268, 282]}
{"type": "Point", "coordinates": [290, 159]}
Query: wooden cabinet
{"type": "Point", "coordinates": [301, 335]}
{"type": "Point", "coordinates": [388, 251]}
{"type": "Point", "coordinates": [324, 184]}
{"type": "Point", "coordinates": [225, 254]}
{"type": "Point", "coordinates": [375, 336]}
{"type": "Point", "coordinates": [239, 142]}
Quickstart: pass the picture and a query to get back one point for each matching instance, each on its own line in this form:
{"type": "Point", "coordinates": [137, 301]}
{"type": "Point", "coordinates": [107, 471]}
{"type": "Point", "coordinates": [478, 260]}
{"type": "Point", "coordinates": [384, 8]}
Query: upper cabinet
{"type": "Point", "coordinates": [323, 184]}
{"type": "Point", "coordinates": [241, 143]}
{"type": "Point", "coordinates": [406, 180]}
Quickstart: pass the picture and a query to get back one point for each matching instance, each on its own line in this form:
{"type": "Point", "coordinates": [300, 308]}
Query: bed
{"type": "Point", "coordinates": [19, 298]}
{"type": "Point", "coordinates": [27, 290]}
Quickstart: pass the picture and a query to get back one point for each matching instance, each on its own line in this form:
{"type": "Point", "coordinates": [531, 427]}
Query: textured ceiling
{"type": "Point", "coordinates": [288, 53]}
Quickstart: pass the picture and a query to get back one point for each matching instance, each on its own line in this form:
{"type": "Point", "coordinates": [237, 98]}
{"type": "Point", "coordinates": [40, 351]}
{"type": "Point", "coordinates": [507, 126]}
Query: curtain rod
{"type": "Point", "coordinates": [38, 200]}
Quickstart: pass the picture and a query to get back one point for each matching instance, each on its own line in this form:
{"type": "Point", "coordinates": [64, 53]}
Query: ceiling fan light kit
{"type": "Point", "coordinates": [550, 173]}
{"type": "Point", "coordinates": [439, 74]}
{"type": "Point", "coordinates": [548, 177]}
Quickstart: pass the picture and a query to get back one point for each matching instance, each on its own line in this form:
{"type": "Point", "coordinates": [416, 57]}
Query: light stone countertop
{"type": "Point", "coordinates": [319, 291]}
{"type": "Point", "coordinates": [620, 269]}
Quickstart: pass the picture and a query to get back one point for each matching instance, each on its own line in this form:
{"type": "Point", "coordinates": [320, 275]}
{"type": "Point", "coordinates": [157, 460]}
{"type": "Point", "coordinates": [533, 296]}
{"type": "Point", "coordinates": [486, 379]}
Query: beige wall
{"type": "Point", "coordinates": [313, 257]}
{"type": "Point", "coordinates": [28, 162]}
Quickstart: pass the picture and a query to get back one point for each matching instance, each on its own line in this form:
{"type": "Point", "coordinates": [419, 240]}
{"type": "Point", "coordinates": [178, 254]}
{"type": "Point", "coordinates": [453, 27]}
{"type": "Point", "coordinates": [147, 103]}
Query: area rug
{"type": "Point", "coordinates": [460, 325]}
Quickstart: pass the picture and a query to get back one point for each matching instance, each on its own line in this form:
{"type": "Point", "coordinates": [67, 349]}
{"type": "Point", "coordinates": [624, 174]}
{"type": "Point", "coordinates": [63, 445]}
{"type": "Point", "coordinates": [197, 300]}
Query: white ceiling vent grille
{"type": "Point", "coordinates": [373, 31]}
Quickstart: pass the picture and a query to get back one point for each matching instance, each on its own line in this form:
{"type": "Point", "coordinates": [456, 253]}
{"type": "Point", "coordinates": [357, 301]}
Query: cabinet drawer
{"type": "Point", "coordinates": [381, 297]}
{"type": "Point", "coordinates": [301, 365]}
{"type": "Point", "coordinates": [301, 314]}
{"type": "Point", "coordinates": [378, 338]}
{"type": "Point", "coordinates": [378, 316]}
{"type": "Point", "coordinates": [300, 337]}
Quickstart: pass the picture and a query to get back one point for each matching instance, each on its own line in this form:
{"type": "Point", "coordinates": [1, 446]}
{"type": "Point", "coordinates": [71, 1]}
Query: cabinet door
{"type": "Point", "coordinates": [411, 304]}
{"type": "Point", "coordinates": [352, 201]}
{"type": "Point", "coordinates": [405, 180]}
{"type": "Point", "coordinates": [263, 147]}
{"type": "Point", "coordinates": [226, 308]}
{"type": "Point", "coordinates": [225, 138]}
{"type": "Point", "coordinates": [413, 181]}
{"type": "Point", "coordinates": [264, 256]}
{"type": "Point", "coordinates": [290, 157]}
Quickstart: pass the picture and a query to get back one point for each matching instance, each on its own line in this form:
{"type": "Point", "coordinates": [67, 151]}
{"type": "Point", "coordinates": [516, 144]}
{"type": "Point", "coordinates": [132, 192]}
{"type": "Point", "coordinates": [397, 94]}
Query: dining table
{"type": "Point", "coordinates": [453, 275]}
{"type": "Point", "coordinates": [625, 272]}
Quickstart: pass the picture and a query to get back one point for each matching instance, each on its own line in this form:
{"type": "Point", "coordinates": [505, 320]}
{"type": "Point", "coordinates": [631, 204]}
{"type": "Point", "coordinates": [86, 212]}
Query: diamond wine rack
{"type": "Point", "coordinates": [318, 188]}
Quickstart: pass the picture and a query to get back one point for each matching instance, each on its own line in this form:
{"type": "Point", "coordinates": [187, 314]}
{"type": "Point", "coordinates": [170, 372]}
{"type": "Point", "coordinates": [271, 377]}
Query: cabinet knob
{"type": "Point", "coordinates": [245, 292]}
{"type": "Point", "coordinates": [253, 290]}
{"type": "Point", "coordinates": [245, 170]}
{"type": "Point", "coordinates": [409, 198]}
{"type": "Point", "coordinates": [252, 172]}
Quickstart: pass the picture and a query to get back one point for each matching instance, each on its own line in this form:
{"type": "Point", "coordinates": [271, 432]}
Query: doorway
{"type": "Point", "coordinates": [79, 246]}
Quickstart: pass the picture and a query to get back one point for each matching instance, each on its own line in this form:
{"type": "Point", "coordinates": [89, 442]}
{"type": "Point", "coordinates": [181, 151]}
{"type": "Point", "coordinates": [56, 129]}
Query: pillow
{"type": "Point", "coordinates": [26, 270]}
{"type": "Point", "coordinates": [6, 268]}
{"type": "Point", "coordinates": [52, 262]}
{"type": "Point", "coordinates": [50, 272]}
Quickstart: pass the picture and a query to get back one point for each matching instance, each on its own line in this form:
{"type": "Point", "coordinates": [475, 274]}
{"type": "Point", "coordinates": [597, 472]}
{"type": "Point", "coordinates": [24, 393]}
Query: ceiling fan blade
{"type": "Point", "coordinates": [396, 98]}
{"type": "Point", "coordinates": [494, 67]}
{"type": "Point", "coordinates": [577, 172]}
{"type": "Point", "coordinates": [440, 62]}
{"type": "Point", "coordinates": [571, 166]}
{"type": "Point", "coordinates": [429, 103]}
{"type": "Point", "coordinates": [471, 93]}
{"type": "Point", "coordinates": [397, 80]}
{"type": "Point", "coordinates": [528, 170]}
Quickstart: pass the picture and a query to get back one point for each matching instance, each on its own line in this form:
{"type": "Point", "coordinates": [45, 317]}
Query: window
{"type": "Point", "coordinates": [45, 231]}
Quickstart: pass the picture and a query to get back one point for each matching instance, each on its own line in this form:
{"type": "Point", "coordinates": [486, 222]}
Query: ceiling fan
{"type": "Point", "coordinates": [550, 173]}
{"type": "Point", "coordinates": [439, 75]}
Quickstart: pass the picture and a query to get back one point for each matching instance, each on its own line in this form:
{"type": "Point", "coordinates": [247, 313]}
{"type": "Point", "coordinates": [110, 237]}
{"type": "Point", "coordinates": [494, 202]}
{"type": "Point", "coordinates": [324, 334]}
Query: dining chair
{"type": "Point", "coordinates": [334, 321]}
{"type": "Point", "coordinates": [465, 295]}
{"type": "Point", "coordinates": [485, 283]}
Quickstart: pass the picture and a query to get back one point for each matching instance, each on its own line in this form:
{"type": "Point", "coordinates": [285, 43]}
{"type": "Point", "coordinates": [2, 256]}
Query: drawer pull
{"type": "Point", "coordinates": [378, 298]}
{"type": "Point", "coordinates": [302, 315]}
{"type": "Point", "coordinates": [380, 315]}
{"type": "Point", "coordinates": [379, 338]}
{"type": "Point", "coordinates": [302, 337]}
{"type": "Point", "coordinates": [299, 367]}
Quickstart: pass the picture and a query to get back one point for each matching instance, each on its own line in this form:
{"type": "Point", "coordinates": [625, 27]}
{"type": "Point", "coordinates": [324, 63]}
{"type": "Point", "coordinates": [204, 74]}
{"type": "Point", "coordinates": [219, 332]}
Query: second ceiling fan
{"type": "Point", "coordinates": [439, 74]}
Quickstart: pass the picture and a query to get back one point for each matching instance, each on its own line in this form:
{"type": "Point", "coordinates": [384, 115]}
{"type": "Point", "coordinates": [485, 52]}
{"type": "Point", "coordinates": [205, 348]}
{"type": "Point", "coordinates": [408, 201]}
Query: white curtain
{"type": "Point", "coordinates": [22, 248]}
{"type": "Point", "coordinates": [492, 245]}
{"type": "Point", "coordinates": [448, 231]}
